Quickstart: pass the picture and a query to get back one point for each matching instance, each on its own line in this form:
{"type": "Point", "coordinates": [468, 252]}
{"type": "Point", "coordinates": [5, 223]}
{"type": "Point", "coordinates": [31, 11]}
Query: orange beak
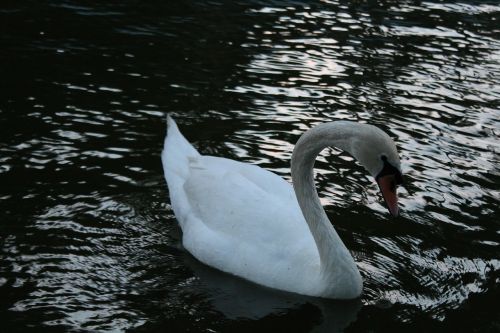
{"type": "Point", "coordinates": [388, 187]}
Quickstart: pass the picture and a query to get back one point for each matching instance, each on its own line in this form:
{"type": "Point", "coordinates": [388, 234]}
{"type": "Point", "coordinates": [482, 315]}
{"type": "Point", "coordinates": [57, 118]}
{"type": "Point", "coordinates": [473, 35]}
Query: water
{"type": "Point", "coordinates": [88, 241]}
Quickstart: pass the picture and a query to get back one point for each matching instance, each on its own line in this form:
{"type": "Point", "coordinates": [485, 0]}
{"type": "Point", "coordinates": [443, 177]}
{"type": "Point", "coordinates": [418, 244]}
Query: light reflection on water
{"type": "Point", "coordinates": [88, 239]}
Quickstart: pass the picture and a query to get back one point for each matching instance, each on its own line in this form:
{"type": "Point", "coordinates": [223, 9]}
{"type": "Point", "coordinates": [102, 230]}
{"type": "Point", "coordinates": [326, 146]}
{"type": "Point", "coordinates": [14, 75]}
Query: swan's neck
{"type": "Point", "coordinates": [335, 258]}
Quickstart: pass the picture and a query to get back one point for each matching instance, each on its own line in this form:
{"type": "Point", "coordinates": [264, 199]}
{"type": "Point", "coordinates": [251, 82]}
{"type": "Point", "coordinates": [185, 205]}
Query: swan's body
{"type": "Point", "coordinates": [249, 222]}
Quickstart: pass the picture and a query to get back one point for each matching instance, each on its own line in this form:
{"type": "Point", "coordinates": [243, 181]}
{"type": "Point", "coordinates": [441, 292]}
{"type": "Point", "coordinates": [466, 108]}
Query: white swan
{"type": "Point", "coordinates": [249, 222]}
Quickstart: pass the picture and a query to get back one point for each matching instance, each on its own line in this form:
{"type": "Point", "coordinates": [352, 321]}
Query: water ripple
{"type": "Point", "coordinates": [88, 240]}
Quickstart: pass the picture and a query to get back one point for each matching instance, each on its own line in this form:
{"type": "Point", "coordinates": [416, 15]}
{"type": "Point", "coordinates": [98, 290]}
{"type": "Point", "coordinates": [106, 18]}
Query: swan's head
{"type": "Point", "coordinates": [369, 145]}
{"type": "Point", "coordinates": [377, 152]}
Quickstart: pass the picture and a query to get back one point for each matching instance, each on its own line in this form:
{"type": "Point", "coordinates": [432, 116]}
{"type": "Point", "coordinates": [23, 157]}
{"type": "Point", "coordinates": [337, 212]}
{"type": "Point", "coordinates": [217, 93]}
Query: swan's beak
{"type": "Point", "coordinates": [388, 187]}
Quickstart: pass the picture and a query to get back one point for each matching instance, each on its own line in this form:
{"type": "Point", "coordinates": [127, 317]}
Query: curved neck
{"type": "Point", "coordinates": [332, 250]}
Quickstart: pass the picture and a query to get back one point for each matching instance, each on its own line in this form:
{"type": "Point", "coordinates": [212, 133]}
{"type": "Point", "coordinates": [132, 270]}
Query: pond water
{"type": "Point", "coordinates": [88, 240]}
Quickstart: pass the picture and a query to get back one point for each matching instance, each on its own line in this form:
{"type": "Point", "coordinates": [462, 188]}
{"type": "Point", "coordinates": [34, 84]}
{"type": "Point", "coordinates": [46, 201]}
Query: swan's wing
{"type": "Point", "coordinates": [228, 195]}
{"type": "Point", "coordinates": [250, 229]}
{"type": "Point", "coordinates": [269, 182]}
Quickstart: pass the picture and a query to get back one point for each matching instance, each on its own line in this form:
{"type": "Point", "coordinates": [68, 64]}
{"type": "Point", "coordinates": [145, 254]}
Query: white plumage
{"type": "Point", "coordinates": [246, 221]}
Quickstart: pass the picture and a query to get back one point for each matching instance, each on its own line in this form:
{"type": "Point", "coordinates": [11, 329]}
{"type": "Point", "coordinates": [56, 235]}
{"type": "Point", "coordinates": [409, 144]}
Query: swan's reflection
{"type": "Point", "coordinates": [240, 299]}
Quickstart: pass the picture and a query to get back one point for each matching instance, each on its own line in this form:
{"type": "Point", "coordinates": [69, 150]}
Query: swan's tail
{"type": "Point", "coordinates": [176, 149]}
{"type": "Point", "coordinates": [176, 156]}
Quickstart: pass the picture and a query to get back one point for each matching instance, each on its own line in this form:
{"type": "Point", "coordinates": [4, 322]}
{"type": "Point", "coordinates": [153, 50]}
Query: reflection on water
{"type": "Point", "coordinates": [239, 299]}
{"type": "Point", "coordinates": [88, 240]}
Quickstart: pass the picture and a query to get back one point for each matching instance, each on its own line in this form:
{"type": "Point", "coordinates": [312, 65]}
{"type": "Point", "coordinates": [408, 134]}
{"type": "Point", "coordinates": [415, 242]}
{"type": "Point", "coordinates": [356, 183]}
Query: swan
{"type": "Point", "coordinates": [249, 222]}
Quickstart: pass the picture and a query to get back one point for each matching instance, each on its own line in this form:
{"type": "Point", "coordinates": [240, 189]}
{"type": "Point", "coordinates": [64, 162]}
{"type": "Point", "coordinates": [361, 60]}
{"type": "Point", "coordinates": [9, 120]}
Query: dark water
{"type": "Point", "coordinates": [88, 241]}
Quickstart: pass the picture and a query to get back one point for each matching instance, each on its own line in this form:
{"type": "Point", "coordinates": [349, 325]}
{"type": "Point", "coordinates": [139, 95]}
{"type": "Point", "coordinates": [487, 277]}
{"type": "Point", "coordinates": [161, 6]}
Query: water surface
{"type": "Point", "coordinates": [88, 240]}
